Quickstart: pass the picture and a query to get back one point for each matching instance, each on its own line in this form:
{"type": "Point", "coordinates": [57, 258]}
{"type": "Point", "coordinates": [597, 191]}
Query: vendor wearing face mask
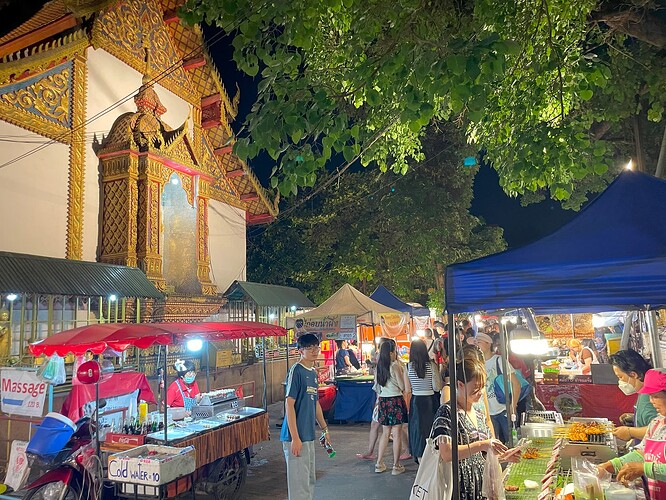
{"type": "Point", "coordinates": [630, 368]}
{"type": "Point", "coordinates": [647, 459]}
{"type": "Point", "coordinates": [184, 391]}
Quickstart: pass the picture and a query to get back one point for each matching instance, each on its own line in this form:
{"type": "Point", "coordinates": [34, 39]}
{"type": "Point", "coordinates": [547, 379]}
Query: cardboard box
{"type": "Point", "coordinates": [137, 466]}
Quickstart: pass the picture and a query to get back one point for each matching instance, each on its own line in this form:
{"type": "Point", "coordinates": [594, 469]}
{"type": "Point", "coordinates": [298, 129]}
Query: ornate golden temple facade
{"type": "Point", "coordinates": [155, 184]}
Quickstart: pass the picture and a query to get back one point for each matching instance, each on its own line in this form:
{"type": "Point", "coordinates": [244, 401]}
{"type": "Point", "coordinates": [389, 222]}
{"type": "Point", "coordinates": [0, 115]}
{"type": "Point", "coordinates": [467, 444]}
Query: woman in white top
{"type": "Point", "coordinates": [390, 384]}
{"type": "Point", "coordinates": [422, 380]}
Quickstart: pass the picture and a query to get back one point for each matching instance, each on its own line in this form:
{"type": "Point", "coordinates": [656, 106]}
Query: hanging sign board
{"type": "Point", "coordinates": [23, 392]}
{"type": "Point", "coordinates": [17, 468]}
{"type": "Point", "coordinates": [340, 327]}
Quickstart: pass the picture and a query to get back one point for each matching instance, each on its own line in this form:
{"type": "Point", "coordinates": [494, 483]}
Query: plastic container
{"type": "Point", "coordinates": [52, 435]}
{"type": "Point", "coordinates": [612, 343]}
{"type": "Point", "coordinates": [143, 411]}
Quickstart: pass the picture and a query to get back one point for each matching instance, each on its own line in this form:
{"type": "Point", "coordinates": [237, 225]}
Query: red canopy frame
{"type": "Point", "coordinates": [121, 336]}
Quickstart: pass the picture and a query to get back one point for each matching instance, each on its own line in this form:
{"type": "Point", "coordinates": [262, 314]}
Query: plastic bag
{"type": "Point", "coordinates": [587, 481]}
{"type": "Point", "coordinates": [493, 484]}
{"type": "Point", "coordinates": [53, 370]}
{"type": "Point", "coordinates": [434, 479]}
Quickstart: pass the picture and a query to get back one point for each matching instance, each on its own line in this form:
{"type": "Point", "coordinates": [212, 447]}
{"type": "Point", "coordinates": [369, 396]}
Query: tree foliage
{"type": "Point", "coordinates": [371, 229]}
{"type": "Point", "coordinates": [532, 83]}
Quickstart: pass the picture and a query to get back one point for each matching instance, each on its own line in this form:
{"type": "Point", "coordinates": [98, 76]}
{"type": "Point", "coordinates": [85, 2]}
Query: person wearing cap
{"type": "Point", "coordinates": [648, 458]}
{"type": "Point", "coordinates": [582, 355]}
{"type": "Point", "coordinates": [497, 410]}
{"type": "Point", "coordinates": [184, 391]}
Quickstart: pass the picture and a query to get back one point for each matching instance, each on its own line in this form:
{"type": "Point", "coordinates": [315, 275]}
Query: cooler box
{"type": "Point", "coordinates": [151, 465]}
{"type": "Point", "coordinates": [51, 436]}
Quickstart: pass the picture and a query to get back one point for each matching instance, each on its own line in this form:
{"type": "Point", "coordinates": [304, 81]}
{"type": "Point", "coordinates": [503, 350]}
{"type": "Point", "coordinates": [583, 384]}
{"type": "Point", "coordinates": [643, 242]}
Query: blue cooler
{"type": "Point", "coordinates": [52, 436]}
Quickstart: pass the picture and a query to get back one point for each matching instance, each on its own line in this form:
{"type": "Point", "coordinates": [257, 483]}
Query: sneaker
{"type": "Point", "coordinates": [397, 469]}
{"type": "Point", "coordinates": [364, 456]}
{"type": "Point", "coordinates": [380, 467]}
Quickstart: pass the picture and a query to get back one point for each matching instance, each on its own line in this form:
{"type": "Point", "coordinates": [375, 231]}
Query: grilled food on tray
{"type": "Point", "coordinates": [581, 431]}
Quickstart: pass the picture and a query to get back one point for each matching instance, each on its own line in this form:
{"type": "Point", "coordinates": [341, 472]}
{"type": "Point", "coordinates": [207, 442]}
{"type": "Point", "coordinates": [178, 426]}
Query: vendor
{"type": "Point", "coordinates": [584, 356]}
{"type": "Point", "coordinates": [630, 369]}
{"type": "Point", "coordinates": [343, 362]}
{"type": "Point", "coordinates": [647, 459]}
{"type": "Point", "coordinates": [184, 391]}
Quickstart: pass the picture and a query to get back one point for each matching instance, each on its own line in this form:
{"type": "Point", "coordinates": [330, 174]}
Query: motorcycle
{"type": "Point", "coordinates": [73, 473]}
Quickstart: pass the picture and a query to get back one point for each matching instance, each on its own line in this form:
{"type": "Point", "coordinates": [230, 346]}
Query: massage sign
{"type": "Point", "coordinates": [23, 392]}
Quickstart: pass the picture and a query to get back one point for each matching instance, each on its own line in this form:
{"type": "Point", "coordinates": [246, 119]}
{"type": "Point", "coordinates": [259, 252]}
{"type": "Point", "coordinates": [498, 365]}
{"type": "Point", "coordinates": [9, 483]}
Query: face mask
{"type": "Point", "coordinates": [189, 378]}
{"type": "Point", "coordinates": [626, 388]}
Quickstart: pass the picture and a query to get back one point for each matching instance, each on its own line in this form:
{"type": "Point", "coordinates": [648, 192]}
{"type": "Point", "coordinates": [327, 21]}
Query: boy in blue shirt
{"type": "Point", "coordinates": [298, 429]}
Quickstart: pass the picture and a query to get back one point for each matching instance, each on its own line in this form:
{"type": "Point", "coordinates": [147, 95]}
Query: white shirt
{"type": "Point", "coordinates": [495, 406]}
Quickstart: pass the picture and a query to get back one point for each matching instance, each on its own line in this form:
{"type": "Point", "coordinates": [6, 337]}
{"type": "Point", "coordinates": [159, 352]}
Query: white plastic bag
{"type": "Point", "coordinates": [493, 485]}
{"type": "Point", "coordinates": [434, 479]}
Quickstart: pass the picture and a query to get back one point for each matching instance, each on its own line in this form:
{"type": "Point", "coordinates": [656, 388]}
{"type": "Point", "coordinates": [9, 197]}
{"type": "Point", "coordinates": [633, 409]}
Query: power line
{"type": "Point", "coordinates": [214, 39]}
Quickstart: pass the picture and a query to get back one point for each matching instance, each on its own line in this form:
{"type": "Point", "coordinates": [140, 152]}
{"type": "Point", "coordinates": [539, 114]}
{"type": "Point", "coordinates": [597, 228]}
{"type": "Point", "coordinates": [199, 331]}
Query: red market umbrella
{"type": "Point", "coordinates": [120, 336]}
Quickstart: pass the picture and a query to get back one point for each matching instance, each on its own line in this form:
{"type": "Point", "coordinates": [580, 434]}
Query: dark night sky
{"type": "Point", "coordinates": [521, 225]}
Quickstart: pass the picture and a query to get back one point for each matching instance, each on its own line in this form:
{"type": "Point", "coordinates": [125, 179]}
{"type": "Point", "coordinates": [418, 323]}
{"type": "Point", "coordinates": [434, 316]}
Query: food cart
{"type": "Point", "coordinates": [215, 439]}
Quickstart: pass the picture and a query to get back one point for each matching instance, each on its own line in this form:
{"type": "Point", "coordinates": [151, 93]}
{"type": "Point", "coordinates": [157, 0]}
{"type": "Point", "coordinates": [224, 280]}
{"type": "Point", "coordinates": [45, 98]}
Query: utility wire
{"type": "Point", "coordinates": [213, 40]}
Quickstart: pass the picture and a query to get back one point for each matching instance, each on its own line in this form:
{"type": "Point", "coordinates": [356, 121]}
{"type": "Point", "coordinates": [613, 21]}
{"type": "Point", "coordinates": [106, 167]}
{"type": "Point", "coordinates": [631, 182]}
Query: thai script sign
{"type": "Point", "coordinates": [337, 327]}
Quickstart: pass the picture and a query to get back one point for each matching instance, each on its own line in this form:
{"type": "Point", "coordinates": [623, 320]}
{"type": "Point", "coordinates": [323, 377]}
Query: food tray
{"type": "Point", "coordinates": [542, 417]}
{"type": "Point", "coordinates": [532, 469]}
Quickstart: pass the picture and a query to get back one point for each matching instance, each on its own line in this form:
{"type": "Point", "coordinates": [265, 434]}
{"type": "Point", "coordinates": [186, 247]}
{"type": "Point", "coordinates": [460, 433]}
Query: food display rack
{"type": "Point", "coordinates": [531, 469]}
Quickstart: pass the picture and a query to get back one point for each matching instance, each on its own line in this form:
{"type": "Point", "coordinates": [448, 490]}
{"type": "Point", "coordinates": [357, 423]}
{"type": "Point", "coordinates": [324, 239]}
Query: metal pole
{"type": "Point", "coordinates": [657, 359]}
{"type": "Point", "coordinates": [166, 353]}
{"type": "Point", "coordinates": [207, 354]}
{"type": "Point", "coordinates": [454, 406]}
{"type": "Point", "coordinates": [504, 354]}
{"type": "Point", "coordinates": [263, 348]}
{"type": "Point", "coordinates": [97, 418]}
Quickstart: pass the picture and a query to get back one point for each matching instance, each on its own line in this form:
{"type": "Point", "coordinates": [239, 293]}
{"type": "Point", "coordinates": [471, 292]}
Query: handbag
{"type": "Point", "coordinates": [434, 479]}
{"type": "Point", "coordinates": [498, 384]}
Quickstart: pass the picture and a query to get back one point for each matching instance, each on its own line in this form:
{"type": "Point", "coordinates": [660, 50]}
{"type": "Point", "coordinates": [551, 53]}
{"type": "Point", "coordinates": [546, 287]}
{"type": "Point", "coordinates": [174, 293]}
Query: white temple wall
{"type": "Point", "coordinates": [226, 244]}
{"type": "Point", "coordinates": [109, 82]}
{"type": "Point", "coordinates": [33, 193]}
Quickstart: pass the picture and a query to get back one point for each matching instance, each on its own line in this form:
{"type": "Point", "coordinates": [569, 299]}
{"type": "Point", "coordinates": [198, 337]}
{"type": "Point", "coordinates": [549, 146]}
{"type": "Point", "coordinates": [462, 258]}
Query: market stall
{"type": "Point", "coordinates": [338, 318]}
{"type": "Point", "coordinates": [218, 432]}
{"type": "Point", "coordinates": [611, 257]}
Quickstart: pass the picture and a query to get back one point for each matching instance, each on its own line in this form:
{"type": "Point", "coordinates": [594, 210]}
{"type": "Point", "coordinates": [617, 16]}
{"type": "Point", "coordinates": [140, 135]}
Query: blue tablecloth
{"type": "Point", "coordinates": [355, 401]}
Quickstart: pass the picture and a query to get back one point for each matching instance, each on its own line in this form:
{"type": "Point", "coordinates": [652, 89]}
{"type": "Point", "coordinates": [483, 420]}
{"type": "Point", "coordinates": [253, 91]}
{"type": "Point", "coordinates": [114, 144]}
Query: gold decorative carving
{"type": "Point", "coordinates": [29, 62]}
{"type": "Point", "coordinates": [83, 8]}
{"type": "Point", "coordinates": [77, 163]}
{"type": "Point", "coordinates": [125, 28]}
{"type": "Point", "coordinates": [48, 97]}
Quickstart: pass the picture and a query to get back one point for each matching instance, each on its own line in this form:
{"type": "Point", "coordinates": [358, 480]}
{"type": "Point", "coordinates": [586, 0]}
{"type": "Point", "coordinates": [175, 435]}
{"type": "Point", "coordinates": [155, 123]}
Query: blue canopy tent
{"type": "Point", "coordinates": [384, 296]}
{"type": "Point", "coordinates": [612, 256]}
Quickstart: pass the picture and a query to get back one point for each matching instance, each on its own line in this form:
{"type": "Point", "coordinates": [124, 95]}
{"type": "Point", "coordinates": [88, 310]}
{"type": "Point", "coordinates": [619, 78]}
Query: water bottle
{"type": "Point", "coordinates": [329, 449]}
{"type": "Point", "coordinates": [514, 430]}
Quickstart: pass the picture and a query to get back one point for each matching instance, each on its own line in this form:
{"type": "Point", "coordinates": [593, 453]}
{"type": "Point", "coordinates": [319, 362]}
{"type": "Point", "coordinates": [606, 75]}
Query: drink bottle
{"type": "Point", "coordinates": [329, 449]}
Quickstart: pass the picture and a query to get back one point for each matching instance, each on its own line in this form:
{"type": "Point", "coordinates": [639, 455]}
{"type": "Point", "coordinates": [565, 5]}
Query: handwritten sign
{"type": "Point", "coordinates": [23, 392]}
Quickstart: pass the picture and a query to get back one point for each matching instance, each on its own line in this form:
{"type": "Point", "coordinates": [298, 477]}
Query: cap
{"type": "Point", "coordinates": [655, 381]}
{"type": "Point", "coordinates": [484, 337]}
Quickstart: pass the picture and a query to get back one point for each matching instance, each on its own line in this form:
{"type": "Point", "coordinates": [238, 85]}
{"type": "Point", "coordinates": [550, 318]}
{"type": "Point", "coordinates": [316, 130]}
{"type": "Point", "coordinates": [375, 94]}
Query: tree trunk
{"type": "Point", "coordinates": [643, 24]}
{"type": "Point", "coordinates": [661, 162]}
{"type": "Point", "coordinates": [640, 157]}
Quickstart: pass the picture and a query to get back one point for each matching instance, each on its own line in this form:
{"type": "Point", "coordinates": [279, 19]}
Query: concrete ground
{"type": "Point", "coordinates": [343, 477]}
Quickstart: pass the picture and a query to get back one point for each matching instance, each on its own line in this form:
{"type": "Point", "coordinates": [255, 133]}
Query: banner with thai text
{"type": "Point", "coordinates": [338, 327]}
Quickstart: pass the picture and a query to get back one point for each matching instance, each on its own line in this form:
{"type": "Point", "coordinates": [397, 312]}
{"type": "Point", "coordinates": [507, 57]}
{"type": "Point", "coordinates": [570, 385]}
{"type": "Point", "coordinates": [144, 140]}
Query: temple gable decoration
{"type": "Point", "coordinates": [154, 196]}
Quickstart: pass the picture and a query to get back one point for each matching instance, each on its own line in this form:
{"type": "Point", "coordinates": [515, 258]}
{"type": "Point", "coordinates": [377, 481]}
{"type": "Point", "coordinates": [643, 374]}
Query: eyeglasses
{"type": "Point", "coordinates": [312, 348]}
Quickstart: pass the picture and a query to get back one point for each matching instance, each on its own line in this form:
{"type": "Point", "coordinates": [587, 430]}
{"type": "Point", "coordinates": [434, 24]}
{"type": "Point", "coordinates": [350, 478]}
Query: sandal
{"type": "Point", "coordinates": [365, 456]}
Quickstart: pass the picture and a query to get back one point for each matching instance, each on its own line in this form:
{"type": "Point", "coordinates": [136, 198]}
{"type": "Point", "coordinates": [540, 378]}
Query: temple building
{"type": "Point", "coordinates": [117, 148]}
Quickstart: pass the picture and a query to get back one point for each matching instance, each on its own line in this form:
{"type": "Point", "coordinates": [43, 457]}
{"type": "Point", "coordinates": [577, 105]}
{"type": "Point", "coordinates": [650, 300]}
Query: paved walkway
{"type": "Point", "coordinates": [343, 477]}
